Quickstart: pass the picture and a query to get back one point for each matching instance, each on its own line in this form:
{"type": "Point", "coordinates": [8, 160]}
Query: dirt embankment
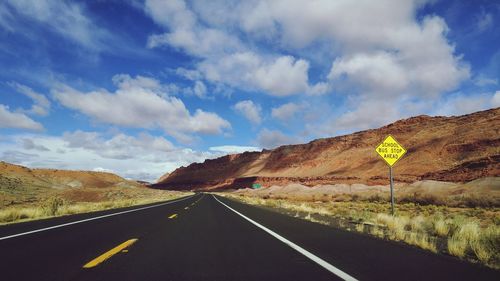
{"type": "Point", "coordinates": [453, 149]}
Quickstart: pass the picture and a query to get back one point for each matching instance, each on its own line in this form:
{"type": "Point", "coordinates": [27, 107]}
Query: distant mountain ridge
{"type": "Point", "coordinates": [455, 149]}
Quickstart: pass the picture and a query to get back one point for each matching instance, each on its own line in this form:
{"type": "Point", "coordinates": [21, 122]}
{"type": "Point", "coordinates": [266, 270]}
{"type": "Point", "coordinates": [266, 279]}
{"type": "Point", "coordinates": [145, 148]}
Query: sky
{"type": "Point", "coordinates": [140, 88]}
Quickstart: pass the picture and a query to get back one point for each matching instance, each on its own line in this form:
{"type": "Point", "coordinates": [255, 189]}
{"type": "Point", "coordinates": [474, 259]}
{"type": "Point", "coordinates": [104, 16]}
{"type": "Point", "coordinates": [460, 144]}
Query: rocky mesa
{"type": "Point", "coordinates": [452, 149]}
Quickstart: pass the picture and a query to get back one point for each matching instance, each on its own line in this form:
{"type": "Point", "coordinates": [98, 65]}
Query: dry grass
{"type": "Point", "coordinates": [421, 240]}
{"type": "Point", "coordinates": [487, 246]}
{"type": "Point", "coordinates": [58, 206]}
{"type": "Point", "coordinates": [470, 239]}
{"type": "Point", "coordinates": [468, 233]}
{"type": "Point", "coordinates": [417, 223]}
{"type": "Point", "coordinates": [14, 214]}
{"type": "Point", "coordinates": [395, 225]}
{"type": "Point", "coordinates": [360, 227]}
{"type": "Point", "coordinates": [376, 231]}
{"type": "Point", "coordinates": [441, 227]}
{"type": "Point", "coordinates": [459, 242]}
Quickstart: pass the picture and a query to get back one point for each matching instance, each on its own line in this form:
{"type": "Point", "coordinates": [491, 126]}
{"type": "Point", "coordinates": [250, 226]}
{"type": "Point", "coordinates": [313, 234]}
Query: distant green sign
{"type": "Point", "coordinates": [256, 185]}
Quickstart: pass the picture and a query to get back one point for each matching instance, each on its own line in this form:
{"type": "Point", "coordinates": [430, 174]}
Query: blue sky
{"type": "Point", "coordinates": [143, 87]}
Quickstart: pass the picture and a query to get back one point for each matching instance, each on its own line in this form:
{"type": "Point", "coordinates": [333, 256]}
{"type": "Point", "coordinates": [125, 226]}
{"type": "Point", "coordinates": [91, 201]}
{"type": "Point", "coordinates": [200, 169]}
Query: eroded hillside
{"type": "Point", "coordinates": [19, 184]}
{"type": "Point", "coordinates": [455, 149]}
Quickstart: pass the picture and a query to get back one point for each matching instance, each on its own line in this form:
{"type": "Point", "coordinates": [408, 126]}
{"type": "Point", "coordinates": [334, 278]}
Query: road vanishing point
{"type": "Point", "coordinates": [207, 237]}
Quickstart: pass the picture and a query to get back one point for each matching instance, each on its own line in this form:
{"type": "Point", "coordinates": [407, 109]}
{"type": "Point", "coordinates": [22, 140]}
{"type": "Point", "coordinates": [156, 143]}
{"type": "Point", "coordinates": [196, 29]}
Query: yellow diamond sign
{"type": "Point", "coordinates": [390, 150]}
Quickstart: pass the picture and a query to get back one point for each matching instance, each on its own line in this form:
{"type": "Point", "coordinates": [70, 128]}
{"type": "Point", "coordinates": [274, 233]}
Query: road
{"type": "Point", "coordinates": [211, 238]}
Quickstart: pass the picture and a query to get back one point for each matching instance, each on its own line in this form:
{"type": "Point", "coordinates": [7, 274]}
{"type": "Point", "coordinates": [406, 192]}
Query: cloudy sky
{"type": "Point", "coordinates": [143, 87]}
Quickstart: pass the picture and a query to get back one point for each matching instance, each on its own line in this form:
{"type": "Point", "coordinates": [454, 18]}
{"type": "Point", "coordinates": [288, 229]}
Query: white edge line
{"type": "Point", "coordinates": [297, 248]}
{"type": "Point", "coordinates": [91, 219]}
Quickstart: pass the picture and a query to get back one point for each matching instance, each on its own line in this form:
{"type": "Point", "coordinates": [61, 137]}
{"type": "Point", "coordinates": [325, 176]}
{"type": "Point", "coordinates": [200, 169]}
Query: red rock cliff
{"type": "Point", "coordinates": [457, 149]}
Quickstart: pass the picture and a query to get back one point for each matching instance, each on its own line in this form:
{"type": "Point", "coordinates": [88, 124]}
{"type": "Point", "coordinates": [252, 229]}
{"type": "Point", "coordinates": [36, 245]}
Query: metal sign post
{"type": "Point", "coordinates": [391, 151]}
{"type": "Point", "coordinates": [392, 190]}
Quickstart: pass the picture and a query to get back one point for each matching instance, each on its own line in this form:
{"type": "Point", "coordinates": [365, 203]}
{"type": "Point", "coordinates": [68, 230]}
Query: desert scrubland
{"type": "Point", "coordinates": [28, 194]}
{"type": "Point", "coordinates": [458, 219]}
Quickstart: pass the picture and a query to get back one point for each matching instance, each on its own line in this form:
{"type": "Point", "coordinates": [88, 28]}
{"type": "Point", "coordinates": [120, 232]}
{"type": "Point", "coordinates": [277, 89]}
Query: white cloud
{"type": "Point", "coordinates": [200, 90]}
{"type": "Point", "coordinates": [423, 65]}
{"type": "Point", "coordinates": [483, 81]}
{"type": "Point", "coordinates": [188, 73]}
{"type": "Point", "coordinates": [143, 157]}
{"type": "Point", "coordinates": [273, 138]}
{"type": "Point", "coordinates": [17, 120]}
{"type": "Point", "coordinates": [250, 110]}
{"type": "Point", "coordinates": [66, 18]}
{"type": "Point", "coordinates": [119, 146]}
{"type": "Point", "coordinates": [319, 88]}
{"type": "Point", "coordinates": [376, 50]}
{"type": "Point", "coordinates": [232, 149]}
{"type": "Point", "coordinates": [141, 103]}
{"type": "Point", "coordinates": [29, 144]}
{"type": "Point", "coordinates": [496, 99]}
{"type": "Point", "coordinates": [6, 18]}
{"type": "Point", "coordinates": [285, 112]}
{"type": "Point", "coordinates": [460, 104]}
{"type": "Point", "coordinates": [281, 76]}
{"type": "Point", "coordinates": [101, 169]}
{"type": "Point", "coordinates": [225, 57]}
{"type": "Point", "coordinates": [13, 156]}
{"type": "Point", "coordinates": [380, 71]}
{"type": "Point", "coordinates": [41, 105]}
{"type": "Point", "coordinates": [484, 21]}
{"type": "Point", "coordinates": [185, 31]}
{"type": "Point", "coordinates": [367, 114]}
{"type": "Point", "coordinates": [356, 25]}
{"type": "Point", "coordinates": [284, 76]}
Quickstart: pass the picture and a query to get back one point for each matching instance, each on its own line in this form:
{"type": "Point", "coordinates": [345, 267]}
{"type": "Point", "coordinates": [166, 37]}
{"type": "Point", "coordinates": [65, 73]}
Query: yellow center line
{"type": "Point", "coordinates": [109, 254]}
{"type": "Point", "coordinates": [194, 203]}
{"type": "Point", "coordinates": [173, 216]}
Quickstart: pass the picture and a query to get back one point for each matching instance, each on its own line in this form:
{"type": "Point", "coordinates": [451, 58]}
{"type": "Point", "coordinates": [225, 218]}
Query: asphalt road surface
{"type": "Point", "coordinates": [207, 238]}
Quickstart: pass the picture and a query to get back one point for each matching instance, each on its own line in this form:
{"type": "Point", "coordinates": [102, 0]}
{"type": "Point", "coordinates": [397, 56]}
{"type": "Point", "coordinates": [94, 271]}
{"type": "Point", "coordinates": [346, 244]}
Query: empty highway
{"type": "Point", "coordinates": [204, 237]}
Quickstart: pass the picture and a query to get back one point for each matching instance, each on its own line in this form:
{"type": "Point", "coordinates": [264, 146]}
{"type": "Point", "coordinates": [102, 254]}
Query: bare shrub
{"type": "Point", "coordinates": [474, 200]}
{"type": "Point", "coordinates": [50, 206]}
{"type": "Point", "coordinates": [377, 198]}
{"type": "Point", "coordinates": [422, 199]}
